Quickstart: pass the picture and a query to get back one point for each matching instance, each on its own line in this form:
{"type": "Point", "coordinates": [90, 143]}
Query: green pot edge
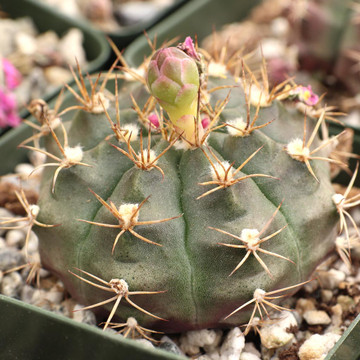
{"type": "Point", "coordinates": [54, 332]}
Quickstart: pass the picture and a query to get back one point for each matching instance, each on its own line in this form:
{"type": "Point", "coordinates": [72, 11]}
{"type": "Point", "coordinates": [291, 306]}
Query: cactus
{"type": "Point", "coordinates": [193, 212]}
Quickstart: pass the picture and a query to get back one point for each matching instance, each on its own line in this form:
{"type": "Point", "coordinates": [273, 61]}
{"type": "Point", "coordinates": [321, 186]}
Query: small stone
{"type": "Point", "coordinates": [346, 302]}
{"type": "Point", "coordinates": [10, 258]}
{"type": "Point", "coordinates": [70, 46]}
{"type": "Point", "coordinates": [336, 319]}
{"type": "Point", "coordinates": [84, 316]}
{"type": "Point", "coordinates": [276, 333]}
{"type": "Point", "coordinates": [303, 305]}
{"type": "Point", "coordinates": [11, 284]}
{"type": "Point", "coordinates": [54, 296]}
{"type": "Point", "coordinates": [331, 279]}
{"type": "Point", "coordinates": [317, 317]}
{"type": "Point", "coordinates": [272, 47]}
{"type": "Point", "coordinates": [205, 357]}
{"type": "Point", "coordinates": [311, 286]}
{"type": "Point", "coordinates": [317, 346]}
{"type": "Point", "coordinates": [249, 356]}
{"type": "Point", "coordinates": [326, 295]}
{"type": "Point", "coordinates": [4, 213]}
{"type": "Point", "coordinates": [146, 343]}
{"type": "Point", "coordinates": [44, 273]}
{"type": "Point", "coordinates": [135, 11]}
{"type": "Point", "coordinates": [38, 299]}
{"type": "Point", "coordinates": [233, 345]}
{"type": "Point", "coordinates": [27, 294]}
{"type": "Point", "coordinates": [111, 331]}
{"type": "Point", "coordinates": [167, 344]}
{"type": "Point", "coordinates": [24, 169]}
{"type": "Point", "coordinates": [280, 27]}
{"type": "Point", "coordinates": [25, 43]}
{"type": "Point", "coordinates": [213, 355]}
{"type": "Point", "coordinates": [215, 344]}
{"type": "Point", "coordinates": [2, 243]}
{"type": "Point", "coordinates": [15, 238]}
{"type": "Point", "coordinates": [57, 75]}
{"type": "Point", "coordinates": [250, 348]}
{"type": "Point", "coordinates": [37, 158]}
{"type": "Point", "coordinates": [341, 266]}
{"type": "Point", "coordinates": [191, 341]}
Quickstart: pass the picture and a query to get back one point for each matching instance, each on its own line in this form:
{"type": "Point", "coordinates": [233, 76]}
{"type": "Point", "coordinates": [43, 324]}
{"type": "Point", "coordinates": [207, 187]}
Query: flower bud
{"type": "Point", "coordinates": [173, 79]}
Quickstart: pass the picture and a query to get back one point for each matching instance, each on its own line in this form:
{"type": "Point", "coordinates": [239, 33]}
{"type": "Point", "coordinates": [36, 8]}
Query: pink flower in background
{"type": "Point", "coordinates": [8, 110]}
{"type": "Point", "coordinates": [306, 95]}
{"type": "Point", "coordinates": [12, 75]}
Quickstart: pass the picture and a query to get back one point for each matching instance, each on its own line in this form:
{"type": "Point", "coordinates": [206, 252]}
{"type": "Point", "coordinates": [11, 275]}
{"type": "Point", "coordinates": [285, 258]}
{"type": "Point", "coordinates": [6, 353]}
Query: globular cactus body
{"type": "Point", "coordinates": [190, 265]}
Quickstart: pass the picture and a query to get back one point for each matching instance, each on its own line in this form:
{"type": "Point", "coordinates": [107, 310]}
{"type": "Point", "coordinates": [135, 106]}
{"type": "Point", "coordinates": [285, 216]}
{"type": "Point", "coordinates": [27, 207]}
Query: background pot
{"type": "Point", "coordinates": [97, 52]}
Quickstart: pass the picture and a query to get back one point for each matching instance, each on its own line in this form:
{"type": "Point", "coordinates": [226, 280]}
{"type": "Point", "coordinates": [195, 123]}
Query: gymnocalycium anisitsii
{"type": "Point", "coordinates": [184, 193]}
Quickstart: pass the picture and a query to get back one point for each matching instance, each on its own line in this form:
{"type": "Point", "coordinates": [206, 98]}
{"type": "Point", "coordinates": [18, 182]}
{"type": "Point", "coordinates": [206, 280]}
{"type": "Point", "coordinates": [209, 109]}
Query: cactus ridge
{"type": "Point", "coordinates": [195, 196]}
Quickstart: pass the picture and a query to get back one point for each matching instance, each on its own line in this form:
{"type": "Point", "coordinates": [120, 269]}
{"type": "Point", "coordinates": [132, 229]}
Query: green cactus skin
{"type": "Point", "coordinates": [190, 265]}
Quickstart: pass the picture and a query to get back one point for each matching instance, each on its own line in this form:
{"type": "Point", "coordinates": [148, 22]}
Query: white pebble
{"type": "Point", "coordinates": [280, 27]}
{"type": "Point", "coordinates": [25, 43]}
{"type": "Point", "coordinates": [303, 305]}
{"type": "Point", "coordinates": [38, 298]}
{"type": "Point", "coordinates": [346, 302]}
{"type": "Point", "coordinates": [191, 341]}
{"type": "Point", "coordinates": [326, 295]}
{"type": "Point", "coordinates": [84, 316]}
{"type": "Point", "coordinates": [208, 357]}
{"type": "Point", "coordinates": [37, 158]}
{"type": "Point", "coordinates": [11, 284]}
{"type": "Point", "coordinates": [248, 356]}
{"type": "Point", "coordinates": [70, 46]}
{"type": "Point", "coordinates": [54, 296]}
{"type": "Point", "coordinates": [311, 286]}
{"type": "Point", "coordinates": [275, 334]}
{"type": "Point", "coordinates": [146, 343]}
{"type": "Point", "coordinates": [317, 346]}
{"type": "Point", "coordinates": [2, 243]}
{"type": "Point", "coordinates": [24, 169]}
{"type": "Point", "coordinates": [336, 319]}
{"type": "Point", "coordinates": [27, 293]}
{"type": "Point", "coordinates": [341, 266]}
{"type": "Point", "coordinates": [250, 348]}
{"type": "Point", "coordinates": [4, 213]}
{"type": "Point", "coordinates": [233, 345]}
{"type": "Point", "coordinates": [317, 317]}
{"type": "Point", "coordinates": [218, 338]}
{"type": "Point", "coordinates": [330, 279]}
{"type": "Point", "coordinates": [15, 238]}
